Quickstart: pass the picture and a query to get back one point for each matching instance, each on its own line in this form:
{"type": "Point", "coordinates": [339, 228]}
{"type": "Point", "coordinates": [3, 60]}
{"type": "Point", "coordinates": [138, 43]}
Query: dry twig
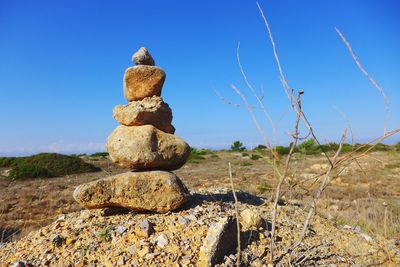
{"type": "Point", "coordinates": [236, 214]}
{"type": "Point", "coordinates": [369, 77]}
{"type": "Point", "coordinates": [283, 177]}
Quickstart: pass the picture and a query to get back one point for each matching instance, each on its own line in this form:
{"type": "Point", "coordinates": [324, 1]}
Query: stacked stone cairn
{"type": "Point", "coordinates": [145, 143]}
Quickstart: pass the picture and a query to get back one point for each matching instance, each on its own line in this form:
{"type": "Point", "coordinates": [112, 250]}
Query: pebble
{"type": "Point", "coordinates": [120, 229]}
{"type": "Point", "coordinates": [162, 240]}
{"type": "Point", "coordinates": [121, 261]}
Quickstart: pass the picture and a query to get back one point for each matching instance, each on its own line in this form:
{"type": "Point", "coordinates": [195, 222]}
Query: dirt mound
{"type": "Point", "coordinates": [118, 237]}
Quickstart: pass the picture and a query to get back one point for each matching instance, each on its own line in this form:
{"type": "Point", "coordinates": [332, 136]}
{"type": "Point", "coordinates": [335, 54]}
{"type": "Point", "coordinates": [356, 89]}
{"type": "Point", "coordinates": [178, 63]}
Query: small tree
{"type": "Point", "coordinates": [237, 146]}
{"type": "Point", "coordinates": [309, 147]}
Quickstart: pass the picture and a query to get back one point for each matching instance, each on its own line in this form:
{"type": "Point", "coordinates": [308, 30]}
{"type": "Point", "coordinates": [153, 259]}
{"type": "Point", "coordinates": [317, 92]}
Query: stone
{"type": "Point", "coordinates": [144, 228]}
{"type": "Point", "coordinates": [250, 219]}
{"type": "Point", "coordinates": [146, 148]}
{"type": "Point", "coordinates": [366, 237]}
{"type": "Point", "coordinates": [156, 191]}
{"type": "Point", "coordinates": [182, 220]}
{"type": "Point", "coordinates": [151, 110]}
{"type": "Point", "coordinates": [143, 57]}
{"type": "Point", "coordinates": [120, 229]}
{"type": "Point", "coordinates": [143, 81]}
{"type": "Point", "coordinates": [162, 240]}
{"type": "Point", "coordinates": [121, 261]}
{"type": "Point", "coordinates": [219, 242]}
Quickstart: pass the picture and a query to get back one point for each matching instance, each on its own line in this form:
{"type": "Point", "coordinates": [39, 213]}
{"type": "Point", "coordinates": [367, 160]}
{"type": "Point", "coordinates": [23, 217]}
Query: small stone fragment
{"type": "Point", "coordinates": [218, 243]}
{"type": "Point", "coordinates": [121, 261]}
{"type": "Point", "coordinates": [250, 219]}
{"type": "Point", "coordinates": [131, 249]}
{"type": "Point", "coordinates": [120, 229]}
{"type": "Point", "coordinates": [182, 220]}
{"type": "Point", "coordinates": [162, 240]}
{"type": "Point", "coordinates": [144, 228]}
{"type": "Point", "coordinates": [143, 57]}
{"type": "Point", "coordinates": [143, 81]}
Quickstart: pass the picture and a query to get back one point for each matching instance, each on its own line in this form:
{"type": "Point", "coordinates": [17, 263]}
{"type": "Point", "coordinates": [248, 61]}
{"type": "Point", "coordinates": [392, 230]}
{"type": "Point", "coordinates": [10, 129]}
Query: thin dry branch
{"type": "Point", "coordinates": [347, 121]}
{"type": "Point", "coordinates": [317, 196]}
{"type": "Point", "coordinates": [250, 86]}
{"type": "Point", "coordinates": [253, 116]}
{"type": "Point", "coordinates": [260, 103]}
{"type": "Point", "coordinates": [285, 84]}
{"type": "Point", "coordinates": [373, 82]}
{"type": "Point", "coordinates": [237, 216]}
{"type": "Point", "coordinates": [282, 179]}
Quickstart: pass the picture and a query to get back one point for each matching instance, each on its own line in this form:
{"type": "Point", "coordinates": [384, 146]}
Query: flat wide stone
{"type": "Point", "coordinates": [157, 191]}
{"type": "Point", "coordinates": [151, 110]}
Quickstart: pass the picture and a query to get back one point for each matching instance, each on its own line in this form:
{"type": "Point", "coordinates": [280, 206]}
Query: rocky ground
{"type": "Point", "coordinates": [357, 211]}
{"type": "Point", "coordinates": [182, 238]}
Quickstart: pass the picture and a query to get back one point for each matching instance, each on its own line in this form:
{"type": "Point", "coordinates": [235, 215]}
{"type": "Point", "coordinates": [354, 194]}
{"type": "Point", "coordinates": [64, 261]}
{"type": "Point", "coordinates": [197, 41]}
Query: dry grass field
{"type": "Point", "coordinates": [366, 195]}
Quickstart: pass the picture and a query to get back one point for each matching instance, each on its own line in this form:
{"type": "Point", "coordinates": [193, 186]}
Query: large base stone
{"type": "Point", "coordinates": [146, 148]}
{"type": "Point", "coordinates": [157, 191]}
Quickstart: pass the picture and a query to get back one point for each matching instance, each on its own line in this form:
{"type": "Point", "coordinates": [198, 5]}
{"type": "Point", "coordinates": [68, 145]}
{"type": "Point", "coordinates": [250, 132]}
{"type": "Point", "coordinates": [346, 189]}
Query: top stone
{"type": "Point", "coordinates": [143, 57]}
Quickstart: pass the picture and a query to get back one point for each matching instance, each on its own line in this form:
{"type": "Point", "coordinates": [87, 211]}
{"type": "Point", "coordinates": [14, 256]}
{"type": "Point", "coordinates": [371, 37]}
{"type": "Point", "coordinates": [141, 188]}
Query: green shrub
{"type": "Point", "coordinates": [333, 147]}
{"type": "Point", "coordinates": [24, 170]}
{"type": "Point", "coordinates": [60, 165]}
{"type": "Point", "coordinates": [196, 155]}
{"type": "Point", "coordinates": [100, 155]}
{"type": "Point", "coordinates": [237, 146]}
{"type": "Point", "coordinates": [203, 151]}
{"type": "Point", "coordinates": [244, 154]}
{"type": "Point", "coordinates": [282, 150]}
{"type": "Point", "coordinates": [8, 161]}
{"type": "Point", "coordinates": [397, 146]}
{"type": "Point", "coordinates": [45, 165]}
{"type": "Point", "coordinates": [382, 147]}
{"type": "Point", "coordinates": [260, 147]}
{"type": "Point", "coordinates": [309, 147]}
{"type": "Point", "coordinates": [255, 157]}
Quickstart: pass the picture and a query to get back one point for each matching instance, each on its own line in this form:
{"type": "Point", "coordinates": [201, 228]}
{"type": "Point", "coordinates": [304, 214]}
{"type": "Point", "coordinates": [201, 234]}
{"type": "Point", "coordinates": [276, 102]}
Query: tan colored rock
{"type": "Point", "coordinates": [145, 147]}
{"type": "Point", "coordinates": [157, 191]}
{"type": "Point", "coordinates": [143, 81]}
{"type": "Point", "coordinates": [250, 219]}
{"type": "Point", "coordinates": [151, 110]}
{"type": "Point", "coordinates": [143, 57]}
{"type": "Point", "coordinates": [219, 242]}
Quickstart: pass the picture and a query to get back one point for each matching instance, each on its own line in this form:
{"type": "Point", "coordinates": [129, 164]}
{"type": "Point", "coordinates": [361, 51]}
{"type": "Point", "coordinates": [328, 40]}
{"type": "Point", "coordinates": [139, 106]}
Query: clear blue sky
{"type": "Point", "coordinates": [62, 63]}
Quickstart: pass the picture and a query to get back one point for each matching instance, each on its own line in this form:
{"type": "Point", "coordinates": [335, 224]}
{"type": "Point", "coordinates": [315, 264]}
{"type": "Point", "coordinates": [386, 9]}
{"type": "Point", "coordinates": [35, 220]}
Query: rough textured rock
{"type": "Point", "coordinates": [145, 147]}
{"type": "Point", "coordinates": [250, 219]}
{"type": "Point", "coordinates": [143, 57]}
{"type": "Point", "coordinates": [150, 110]}
{"type": "Point", "coordinates": [219, 242]}
{"type": "Point", "coordinates": [143, 81]}
{"type": "Point", "coordinates": [144, 228]}
{"type": "Point", "coordinates": [157, 191]}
